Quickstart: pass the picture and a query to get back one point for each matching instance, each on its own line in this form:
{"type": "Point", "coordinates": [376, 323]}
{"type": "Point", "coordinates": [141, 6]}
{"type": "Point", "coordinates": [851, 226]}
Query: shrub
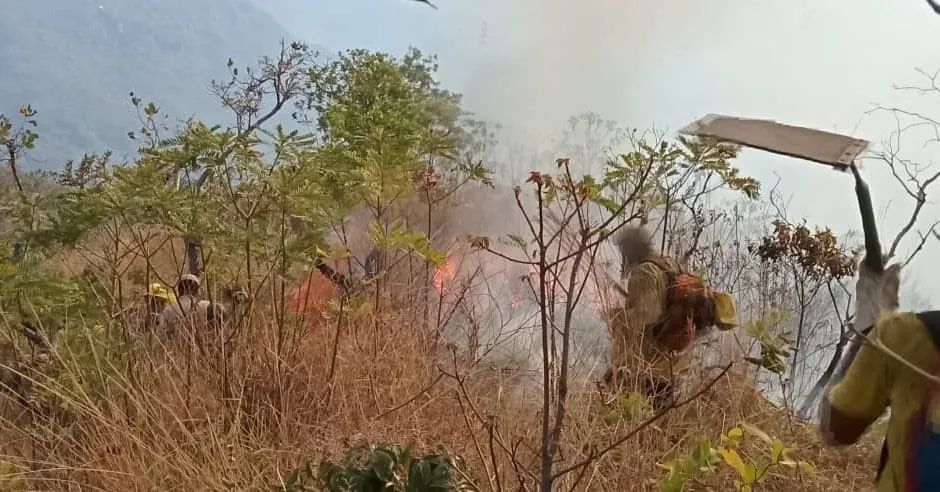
{"type": "Point", "coordinates": [382, 468]}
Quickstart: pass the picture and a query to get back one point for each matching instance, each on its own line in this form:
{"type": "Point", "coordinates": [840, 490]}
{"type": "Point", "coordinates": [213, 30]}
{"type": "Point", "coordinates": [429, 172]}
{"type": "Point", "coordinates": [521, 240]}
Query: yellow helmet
{"type": "Point", "coordinates": [160, 291]}
{"type": "Point", "coordinates": [726, 316]}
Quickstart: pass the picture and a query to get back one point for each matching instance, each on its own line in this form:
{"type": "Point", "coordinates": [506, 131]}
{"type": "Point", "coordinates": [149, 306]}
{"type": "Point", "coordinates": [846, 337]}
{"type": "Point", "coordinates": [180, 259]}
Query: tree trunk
{"type": "Point", "coordinates": [193, 254]}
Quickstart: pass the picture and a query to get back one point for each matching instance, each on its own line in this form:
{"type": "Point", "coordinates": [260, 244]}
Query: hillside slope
{"type": "Point", "coordinates": [75, 61]}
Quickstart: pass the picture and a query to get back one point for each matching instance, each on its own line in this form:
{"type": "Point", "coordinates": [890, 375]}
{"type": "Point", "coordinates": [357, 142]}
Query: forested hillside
{"type": "Point", "coordinates": [357, 301]}
{"type": "Point", "coordinates": [76, 61]}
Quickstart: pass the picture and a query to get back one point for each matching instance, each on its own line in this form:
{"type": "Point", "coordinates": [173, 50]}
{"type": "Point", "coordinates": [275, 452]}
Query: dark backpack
{"type": "Point", "coordinates": [923, 466]}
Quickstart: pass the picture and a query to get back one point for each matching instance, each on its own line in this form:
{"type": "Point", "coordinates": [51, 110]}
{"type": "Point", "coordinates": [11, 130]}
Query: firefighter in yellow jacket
{"type": "Point", "coordinates": [664, 310]}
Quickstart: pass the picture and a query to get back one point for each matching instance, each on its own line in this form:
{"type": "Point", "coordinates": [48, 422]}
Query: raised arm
{"type": "Point", "coordinates": [874, 258]}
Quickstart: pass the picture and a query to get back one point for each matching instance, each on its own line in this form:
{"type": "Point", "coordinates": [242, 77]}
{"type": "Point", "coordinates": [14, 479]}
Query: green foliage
{"type": "Point", "coordinates": [382, 468]}
{"type": "Point", "coordinates": [703, 459]}
{"type": "Point", "coordinates": [255, 194]}
{"type": "Point", "coordinates": [16, 139]}
{"type": "Point", "coordinates": [389, 131]}
{"type": "Point", "coordinates": [91, 356]}
{"type": "Point", "coordinates": [398, 237]}
{"type": "Point", "coordinates": [250, 193]}
{"type": "Point", "coordinates": [362, 90]}
{"type": "Point", "coordinates": [669, 172]}
{"type": "Point", "coordinates": [25, 197]}
{"type": "Point", "coordinates": [754, 471]}
{"type": "Point", "coordinates": [714, 157]}
{"type": "Point", "coordinates": [628, 407]}
{"type": "Point", "coordinates": [750, 468]}
{"type": "Point", "coordinates": [30, 291]}
{"type": "Point", "coordinates": [774, 345]}
{"type": "Point", "coordinates": [89, 172]}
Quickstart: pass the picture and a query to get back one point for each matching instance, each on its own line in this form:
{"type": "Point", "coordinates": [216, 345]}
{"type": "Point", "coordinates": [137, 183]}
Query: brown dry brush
{"type": "Point", "coordinates": [240, 413]}
{"type": "Point", "coordinates": [167, 423]}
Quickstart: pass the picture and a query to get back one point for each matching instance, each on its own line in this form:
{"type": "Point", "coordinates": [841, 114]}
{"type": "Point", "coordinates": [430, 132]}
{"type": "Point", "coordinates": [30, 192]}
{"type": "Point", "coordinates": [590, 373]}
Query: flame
{"type": "Point", "coordinates": [445, 273]}
{"type": "Point", "coordinates": [312, 297]}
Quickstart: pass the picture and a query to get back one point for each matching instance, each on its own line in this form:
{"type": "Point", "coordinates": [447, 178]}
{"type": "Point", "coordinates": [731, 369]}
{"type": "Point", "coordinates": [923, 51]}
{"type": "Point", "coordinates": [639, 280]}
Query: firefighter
{"type": "Point", "coordinates": [894, 375]}
{"type": "Point", "coordinates": [664, 310]}
{"type": "Point", "coordinates": [186, 306]}
{"type": "Point", "coordinates": [158, 297]}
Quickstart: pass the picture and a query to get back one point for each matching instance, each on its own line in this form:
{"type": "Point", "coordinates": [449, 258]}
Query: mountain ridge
{"type": "Point", "coordinates": [77, 61]}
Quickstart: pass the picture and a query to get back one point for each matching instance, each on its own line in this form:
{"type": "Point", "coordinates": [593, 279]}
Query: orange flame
{"type": "Point", "coordinates": [445, 273]}
{"type": "Point", "coordinates": [312, 297]}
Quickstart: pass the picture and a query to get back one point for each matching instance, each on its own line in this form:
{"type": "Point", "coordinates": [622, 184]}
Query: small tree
{"type": "Point", "coordinates": [816, 264]}
{"type": "Point", "coordinates": [568, 219]}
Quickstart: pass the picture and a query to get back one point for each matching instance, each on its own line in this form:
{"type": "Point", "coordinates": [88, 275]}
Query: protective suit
{"type": "Point", "coordinates": [664, 310]}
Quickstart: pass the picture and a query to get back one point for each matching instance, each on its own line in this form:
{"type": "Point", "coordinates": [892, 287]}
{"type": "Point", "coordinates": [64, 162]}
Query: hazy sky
{"type": "Point", "coordinates": [533, 63]}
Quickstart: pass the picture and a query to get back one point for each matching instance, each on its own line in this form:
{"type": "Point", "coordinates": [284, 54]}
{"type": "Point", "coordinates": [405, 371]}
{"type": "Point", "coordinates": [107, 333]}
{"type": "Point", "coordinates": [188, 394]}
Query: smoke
{"type": "Point", "coordinates": [530, 64]}
{"type": "Point", "coordinates": [497, 319]}
{"type": "Point", "coordinates": [535, 63]}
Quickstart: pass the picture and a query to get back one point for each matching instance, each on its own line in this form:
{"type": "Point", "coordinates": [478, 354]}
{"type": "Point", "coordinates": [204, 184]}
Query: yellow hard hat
{"type": "Point", "coordinates": [726, 316]}
{"type": "Point", "coordinates": [160, 291]}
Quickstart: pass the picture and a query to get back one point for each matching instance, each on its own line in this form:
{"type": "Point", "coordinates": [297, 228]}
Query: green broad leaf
{"type": "Point", "coordinates": [777, 453]}
{"type": "Point", "coordinates": [733, 459]}
{"type": "Point", "coordinates": [750, 474]}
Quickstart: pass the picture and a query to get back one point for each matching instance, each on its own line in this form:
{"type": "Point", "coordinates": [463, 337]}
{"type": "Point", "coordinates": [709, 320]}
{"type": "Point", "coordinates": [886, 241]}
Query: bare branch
{"type": "Point", "coordinates": [924, 120]}
{"type": "Point", "coordinates": [923, 240]}
{"type": "Point", "coordinates": [907, 173]}
{"type": "Point", "coordinates": [426, 2]}
{"type": "Point", "coordinates": [923, 90]}
{"type": "Point", "coordinates": [417, 395]}
{"type": "Point", "coordinates": [918, 192]}
{"type": "Point", "coordinates": [934, 5]}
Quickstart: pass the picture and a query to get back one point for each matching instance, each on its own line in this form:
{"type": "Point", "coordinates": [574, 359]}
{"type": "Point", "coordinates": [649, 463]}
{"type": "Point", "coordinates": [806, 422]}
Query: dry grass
{"type": "Point", "coordinates": [169, 423]}
{"type": "Point", "coordinates": [127, 412]}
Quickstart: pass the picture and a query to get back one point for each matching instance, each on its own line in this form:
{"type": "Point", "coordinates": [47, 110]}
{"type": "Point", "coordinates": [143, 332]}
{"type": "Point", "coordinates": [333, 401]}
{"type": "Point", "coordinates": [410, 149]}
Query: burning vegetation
{"type": "Point", "coordinates": [467, 316]}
